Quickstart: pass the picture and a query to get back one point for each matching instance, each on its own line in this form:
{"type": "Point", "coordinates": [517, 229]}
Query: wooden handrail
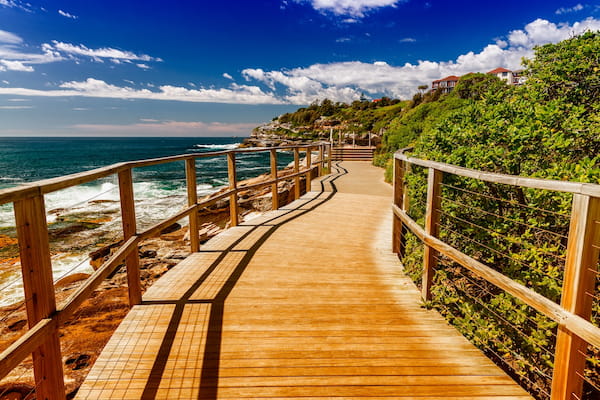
{"type": "Point", "coordinates": [588, 189]}
{"type": "Point", "coordinates": [42, 337]}
{"type": "Point", "coordinates": [575, 331]}
{"type": "Point", "coordinates": [53, 184]}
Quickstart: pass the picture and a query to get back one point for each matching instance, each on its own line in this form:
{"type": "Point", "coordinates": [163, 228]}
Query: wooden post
{"type": "Point", "coordinates": [192, 192]}
{"type": "Point", "coordinates": [233, 199]}
{"type": "Point", "coordinates": [309, 166]}
{"type": "Point", "coordinates": [296, 170]}
{"type": "Point", "coordinates": [329, 154]}
{"type": "Point", "coordinates": [274, 191]}
{"type": "Point", "coordinates": [321, 153]}
{"type": "Point", "coordinates": [397, 237]}
{"type": "Point", "coordinates": [129, 229]}
{"type": "Point", "coordinates": [579, 278]}
{"type": "Point", "coordinates": [32, 230]}
{"type": "Point", "coordinates": [432, 220]}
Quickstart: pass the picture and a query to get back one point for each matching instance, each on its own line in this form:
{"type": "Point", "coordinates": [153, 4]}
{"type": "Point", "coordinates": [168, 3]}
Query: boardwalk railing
{"type": "Point", "coordinates": [44, 317]}
{"type": "Point", "coordinates": [570, 309]}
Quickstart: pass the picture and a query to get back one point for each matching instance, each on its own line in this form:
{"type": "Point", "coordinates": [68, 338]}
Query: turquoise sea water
{"type": "Point", "coordinates": [159, 191]}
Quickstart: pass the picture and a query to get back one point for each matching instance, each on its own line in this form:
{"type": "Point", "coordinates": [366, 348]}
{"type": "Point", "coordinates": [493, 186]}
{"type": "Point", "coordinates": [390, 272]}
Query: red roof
{"type": "Point", "coordinates": [449, 78]}
{"type": "Point", "coordinates": [499, 70]}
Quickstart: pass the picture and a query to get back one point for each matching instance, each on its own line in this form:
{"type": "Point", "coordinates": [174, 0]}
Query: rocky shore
{"type": "Point", "coordinates": [90, 328]}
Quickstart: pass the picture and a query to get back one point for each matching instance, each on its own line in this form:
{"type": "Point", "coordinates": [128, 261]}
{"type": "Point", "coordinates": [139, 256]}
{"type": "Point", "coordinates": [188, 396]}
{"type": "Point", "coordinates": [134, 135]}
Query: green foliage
{"type": "Point", "coordinates": [548, 128]}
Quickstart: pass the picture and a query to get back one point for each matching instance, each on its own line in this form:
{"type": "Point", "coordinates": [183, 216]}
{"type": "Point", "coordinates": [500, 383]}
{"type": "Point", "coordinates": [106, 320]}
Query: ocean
{"type": "Point", "coordinates": [159, 191]}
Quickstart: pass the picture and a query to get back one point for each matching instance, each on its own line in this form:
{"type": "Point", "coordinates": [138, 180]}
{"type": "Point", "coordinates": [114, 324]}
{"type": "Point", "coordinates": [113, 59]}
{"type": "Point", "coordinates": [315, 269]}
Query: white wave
{"type": "Point", "coordinates": [63, 265]}
{"type": "Point", "coordinates": [217, 146]}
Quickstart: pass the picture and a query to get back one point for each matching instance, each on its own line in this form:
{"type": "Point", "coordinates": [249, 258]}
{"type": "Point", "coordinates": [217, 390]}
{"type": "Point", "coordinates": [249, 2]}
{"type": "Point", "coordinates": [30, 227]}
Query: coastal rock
{"type": "Point", "coordinates": [175, 234]}
{"type": "Point", "coordinates": [67, 280]}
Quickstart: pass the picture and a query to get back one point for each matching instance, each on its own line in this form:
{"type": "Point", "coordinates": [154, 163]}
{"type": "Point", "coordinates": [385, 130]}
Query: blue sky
{"type": "Point", "coordinates": [205, 68]}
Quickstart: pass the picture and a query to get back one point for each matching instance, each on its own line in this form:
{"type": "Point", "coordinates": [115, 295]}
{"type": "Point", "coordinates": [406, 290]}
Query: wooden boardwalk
{"type": "Point", "coordinates": [305, 302]}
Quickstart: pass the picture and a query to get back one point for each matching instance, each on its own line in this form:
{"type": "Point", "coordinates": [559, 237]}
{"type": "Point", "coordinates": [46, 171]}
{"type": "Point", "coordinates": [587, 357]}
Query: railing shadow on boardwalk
{"type": "Point", "coordinates": [211, 360]}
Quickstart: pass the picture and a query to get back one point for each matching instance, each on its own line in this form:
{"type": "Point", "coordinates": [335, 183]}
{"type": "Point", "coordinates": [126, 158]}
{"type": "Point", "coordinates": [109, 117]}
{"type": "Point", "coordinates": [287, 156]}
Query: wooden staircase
{"type": "Point", "coordinates": [357, 153]}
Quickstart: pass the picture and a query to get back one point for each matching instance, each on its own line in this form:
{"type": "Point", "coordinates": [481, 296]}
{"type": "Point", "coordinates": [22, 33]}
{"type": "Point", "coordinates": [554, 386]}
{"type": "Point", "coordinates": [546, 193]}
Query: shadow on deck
{"type": "Point", "coordinates": [307, 301]}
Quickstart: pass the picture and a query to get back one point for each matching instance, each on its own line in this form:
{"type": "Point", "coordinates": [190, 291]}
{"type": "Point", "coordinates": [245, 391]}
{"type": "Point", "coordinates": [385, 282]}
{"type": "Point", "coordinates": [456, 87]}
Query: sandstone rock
{"type": "Point", "coordinates": [67, 280]}
{"type": "Point", "coordinates": [171, 228]}
{"type": "Point", "coordinates": [175, 235]}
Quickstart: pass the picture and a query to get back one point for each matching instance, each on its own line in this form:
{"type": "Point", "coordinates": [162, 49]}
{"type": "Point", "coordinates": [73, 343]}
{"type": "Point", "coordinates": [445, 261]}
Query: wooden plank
{"type": "Point", "coordinates": [432, 222]}
{"type": "Point", "coordinates": [192, 196]}
{"type": "Point", "coordinates": [233, 199]}
{"type": "Point", "coordinates": [578, 288]}
{"type": "Point", "coordinates": [274, 191]}
{"type": "Point", "coordinates": [129, 230]}
{"type": "Point", "coordinates": [36, 267]}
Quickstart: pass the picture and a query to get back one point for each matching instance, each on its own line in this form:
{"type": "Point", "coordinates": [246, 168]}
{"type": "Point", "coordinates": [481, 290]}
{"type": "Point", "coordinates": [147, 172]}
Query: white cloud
{"type": "Point", "coordinates": [236, 94]}
{"type": "Point", "coordinates": [152, 127]}
{"type": "Point", "coordinates": [16, 4]}
{"type": "Point", "coordinates": [353, 8]}
{"type": "Point", "coordinates": [15, 66]}
{"type": "Point", "coordinates": [142, 66]}
{"type": "Point", "coordinates": [408, 40]}
{"type": "Point", "coordinates": [341, 81]}
{"type": "Point", "coordinates": [15, 107]}
{"type": "Point", "coordinates": [227, 76]}
{"type": "Point", "coordinates": [8, 37]}
{"type": "Point", "coordinates": [345, 80]}
{"type": "Point", "coordinates": [67, 15]}
{"type": "Point", "coordinates": [342, 40]}
{"type": "Point", "coordinates": [104, 52]}
{"type": "Point", "coordinates": [566, 10]}
{"type": "Point", "coordinates": [542, 31]}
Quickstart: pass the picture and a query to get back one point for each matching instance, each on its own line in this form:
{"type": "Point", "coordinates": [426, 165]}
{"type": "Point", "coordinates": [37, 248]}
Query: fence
{"type": "Point", "coordinates": [509, 269]}
{"type": "Point", "coordinates": [44, 317]}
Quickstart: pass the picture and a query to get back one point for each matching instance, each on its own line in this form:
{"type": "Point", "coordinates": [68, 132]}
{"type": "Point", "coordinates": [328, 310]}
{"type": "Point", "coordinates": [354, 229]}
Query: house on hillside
{"type": "Point", "coordinates": [510, 77]}
{"type": "Point", "coordinates": [445, 84]}
{"type": "Point", "coordinates": [503, 73]}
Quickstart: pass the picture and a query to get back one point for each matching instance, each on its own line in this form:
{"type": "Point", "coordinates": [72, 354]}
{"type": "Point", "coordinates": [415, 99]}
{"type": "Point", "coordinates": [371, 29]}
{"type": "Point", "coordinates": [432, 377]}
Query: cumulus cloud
{"type": "Point", "coordinates": [237, 94]}
{"type": "Point", "coordinates": [352, 8]}
{"type": "Point", "coordinates": [152, 127]}
{"type": "Point", "coordinates": [566, 10]}
{"type": "Point", "coordinates": [227, 76]}
{"type": "Point", "coordinates": [345, 81]}
{"type": "Point", "coordinates": [67, 15]}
